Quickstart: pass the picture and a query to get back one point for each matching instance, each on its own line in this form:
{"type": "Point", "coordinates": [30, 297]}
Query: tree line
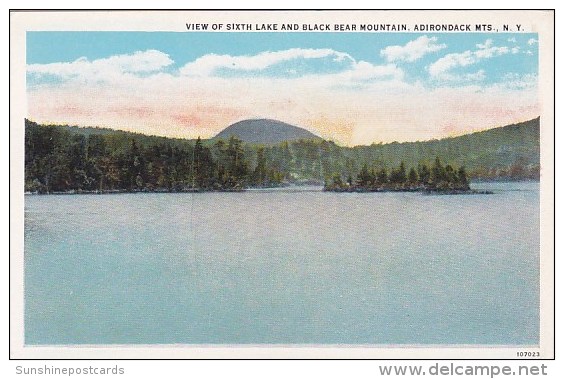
{"type": "Point", "coordinates": [437, 177]}
{"type": "Point", "coordinates": [66, 158]}
{"type": "Point", "coordinates": [57, 160]}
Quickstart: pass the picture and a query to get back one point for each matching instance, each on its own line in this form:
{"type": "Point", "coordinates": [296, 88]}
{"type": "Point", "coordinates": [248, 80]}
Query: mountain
{"type": "Point", "coordinates": [265, 131]}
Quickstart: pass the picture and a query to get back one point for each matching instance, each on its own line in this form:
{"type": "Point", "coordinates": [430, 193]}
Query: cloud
{"type": "Point", "coordinates": [441, 69]}
{"type": "Point", "coordinates": [514, 80]}
{"type": "Point", "coordinates": [413, 50]}
{"type": "Point", "coordinates": [474, 76]}
{"type": "Point", "coordinates": [532, 41]}
{"type": "Point", "coordinates": [322, 66]}
{"type": "Point", "coordinates": [325, 67]}
{"type": "Point", "coordinates": [210, 64]}
{"type": "Point", "coordinates": [488, 50]}
{"type": "Point", "coordinates": [362, 70]}
{"type": "Point", "coordinates": [139, 63]}
{"type": "Point", "coordinates": [353, 101]}
{"type": "Point", "coordinates": [450, 61]}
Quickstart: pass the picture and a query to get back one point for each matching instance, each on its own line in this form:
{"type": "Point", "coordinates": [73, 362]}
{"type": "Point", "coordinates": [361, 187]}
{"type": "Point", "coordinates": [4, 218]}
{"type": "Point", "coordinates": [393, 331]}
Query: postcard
{"type": "Point", "coordinates": [282, 184]}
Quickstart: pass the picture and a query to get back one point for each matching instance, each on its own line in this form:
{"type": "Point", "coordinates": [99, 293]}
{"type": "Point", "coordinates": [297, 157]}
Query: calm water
{"type": "Point", "coordinates": [283, 266]}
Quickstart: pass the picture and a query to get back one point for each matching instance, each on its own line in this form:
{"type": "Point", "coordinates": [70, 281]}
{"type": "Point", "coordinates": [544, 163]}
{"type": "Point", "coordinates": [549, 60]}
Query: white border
{"type": "Point", "coordinates": [533, 21]}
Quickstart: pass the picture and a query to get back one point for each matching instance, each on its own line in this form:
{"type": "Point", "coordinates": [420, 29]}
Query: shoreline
{"type": "Point", "coordinates": [118, 192]}
{"type": "Point", "coordinates": [424, 191]}
{"type": "Point", "coordinates": [321, 189]}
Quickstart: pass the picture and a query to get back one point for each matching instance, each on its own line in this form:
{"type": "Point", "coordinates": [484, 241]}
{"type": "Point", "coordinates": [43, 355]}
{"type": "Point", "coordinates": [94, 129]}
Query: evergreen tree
{"type": "Point", "coordinates": [424, 174]}
{"type": "Point", "coordinates": [398, 175]}
{"type": "Point", "coordinates": [450, 174]}
{"type": "Point", "coordinates": [437, 172]}
{"type": "Point", "coordinates": [237, 166]}
{"type": "Point", "coordinates": [462, 177]}
{"type": "Point", "coordinates": [260, 171]}
{"type": "Point", "coordinates": [412, 176]}
{"type": "Point", "coordinates": [364, 178]}
{"type": "Point", "coordinates": [382, 176]}
{"type": "Point", "coordinates": [402, 176]}
{"type": "Point", "coordinates": [337, 181]}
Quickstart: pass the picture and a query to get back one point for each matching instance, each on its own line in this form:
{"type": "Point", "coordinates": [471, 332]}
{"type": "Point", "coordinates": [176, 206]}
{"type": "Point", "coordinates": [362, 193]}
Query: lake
{"type": "Point", "coordinates": [285, 266]}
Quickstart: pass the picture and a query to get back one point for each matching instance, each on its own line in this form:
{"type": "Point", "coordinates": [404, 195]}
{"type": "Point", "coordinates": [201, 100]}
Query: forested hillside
{"type": "Point", "coordinates": [63, 158]}
{"type": "Point", "coordinates": [509, 152]}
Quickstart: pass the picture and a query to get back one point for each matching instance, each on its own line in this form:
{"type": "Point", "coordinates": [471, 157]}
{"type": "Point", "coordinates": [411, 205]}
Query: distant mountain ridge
{"type": "Point", "coordinates": [266, 131]}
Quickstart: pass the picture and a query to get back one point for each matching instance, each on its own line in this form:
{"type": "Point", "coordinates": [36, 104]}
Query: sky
{"type": "Point", "coordinates": [352, 88]}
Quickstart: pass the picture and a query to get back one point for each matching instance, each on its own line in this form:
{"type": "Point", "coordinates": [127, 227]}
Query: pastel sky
{"type": "Point", "coordinates": [353, 88]}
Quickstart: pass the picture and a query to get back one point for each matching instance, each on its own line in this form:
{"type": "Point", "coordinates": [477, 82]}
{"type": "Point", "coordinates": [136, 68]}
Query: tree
{"type": "Point", "coordinates": [260, 172]}
{"type": "Point", "coordinates": [135, 165]}
{"type": "Point", "coordinates": [424, 173]}
{"type": "Point", "coordinates": [462, 178]}
{"type": "Point", "coordinates": [382, 176]}
{"type": "Point", "coordinates": [402, 176]}
{"type": "Point", "coordinates": [412, 176]}
{"type": "Point", "coordinates": [437, 172]}
{"type": "Point", "coordinates": [337, 181]}
{"type": "Point", "coordinates": [237, 166]}
{"type": "Point", "coordinates": [203, 165]}
{"type": "Point", "coordinates": [398, 175]}
{"type": "Point", "coordinates": [196, 161]}
{"type": "Point", "coordinates": [450, 174]}
{"type": "Point", "coordinates": [364, 178]}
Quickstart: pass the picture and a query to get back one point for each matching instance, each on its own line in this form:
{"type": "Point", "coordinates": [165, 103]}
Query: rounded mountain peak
{"type": "Point", "coordinates": [265, 131]}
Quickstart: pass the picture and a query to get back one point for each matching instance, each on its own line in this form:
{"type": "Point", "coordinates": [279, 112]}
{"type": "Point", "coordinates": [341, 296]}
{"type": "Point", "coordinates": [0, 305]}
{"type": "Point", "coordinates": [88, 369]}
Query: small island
{"type": "Point", "coordinates": [437, 179]}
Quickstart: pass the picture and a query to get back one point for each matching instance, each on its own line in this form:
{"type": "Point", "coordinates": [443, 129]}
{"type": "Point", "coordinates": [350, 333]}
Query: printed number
{"type": "Point", "coordinates": [528, 354]}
